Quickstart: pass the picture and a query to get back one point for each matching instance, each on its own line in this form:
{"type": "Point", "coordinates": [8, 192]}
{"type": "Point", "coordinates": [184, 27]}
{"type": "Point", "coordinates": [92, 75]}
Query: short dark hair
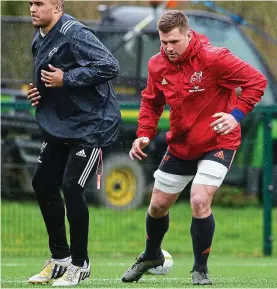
{"type": "Point", "coordinates": [61, 2]}
{"type": "Point", "coordinates": [172, 19]}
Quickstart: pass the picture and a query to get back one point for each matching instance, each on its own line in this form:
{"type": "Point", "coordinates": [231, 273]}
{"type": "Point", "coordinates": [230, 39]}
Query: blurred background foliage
{"type": "Point", "coordinates": [261, 13]}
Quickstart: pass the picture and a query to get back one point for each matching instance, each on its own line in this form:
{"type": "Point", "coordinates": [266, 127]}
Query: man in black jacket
{"type": "Point", "coordinates": [79, 117]}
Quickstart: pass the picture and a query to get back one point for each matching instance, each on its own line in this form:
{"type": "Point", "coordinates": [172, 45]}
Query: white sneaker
{"type": "Point", "coordinates": [73, 275]}
{"type": "Point", "coordinates": [53, 268]}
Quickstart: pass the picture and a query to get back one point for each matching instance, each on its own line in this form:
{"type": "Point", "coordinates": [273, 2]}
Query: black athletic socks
{"type": "Point", "coordinates": [202, 231]}
{"type": "Point", "coordinates": [155, 230]}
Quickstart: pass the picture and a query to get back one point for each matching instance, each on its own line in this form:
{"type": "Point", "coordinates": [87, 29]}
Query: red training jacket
{"type": "Point", "coordinates": [199, 84]}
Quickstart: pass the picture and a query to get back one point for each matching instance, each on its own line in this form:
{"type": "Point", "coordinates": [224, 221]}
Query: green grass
{"type": "Point", "coordinates": [238, 231]}
{"type": "Point", "coordinates": [226, 272]}
{"type": "Point", "coordinates": [116, 238]}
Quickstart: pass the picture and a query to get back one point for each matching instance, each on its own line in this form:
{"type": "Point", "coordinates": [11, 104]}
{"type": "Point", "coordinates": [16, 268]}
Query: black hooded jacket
{"type": "Point", "coordinates": [84, 110]}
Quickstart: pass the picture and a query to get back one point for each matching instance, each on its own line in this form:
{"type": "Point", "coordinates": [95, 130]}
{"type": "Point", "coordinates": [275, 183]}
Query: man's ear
{"type": "Point", "coordinates": [189, 36]}
{"type": "Point", "coordinates": [57, 8]}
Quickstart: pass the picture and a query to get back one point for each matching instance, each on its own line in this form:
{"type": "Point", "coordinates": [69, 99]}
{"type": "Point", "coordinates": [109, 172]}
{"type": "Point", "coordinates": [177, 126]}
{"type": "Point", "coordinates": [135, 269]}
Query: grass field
{"type": "Point", "coordinates": [116, 238]}
{"type": "Point", "coordinates": [226, 272]}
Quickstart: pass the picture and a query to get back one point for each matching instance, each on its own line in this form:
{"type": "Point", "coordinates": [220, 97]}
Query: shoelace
{"type": "Point", "coordinates": [70, 273]}
{"type": "Point", "coordinates": [138, 261]}
{"type": "Point", "coordinates": [202, 273]}
{"type": "Point", "coordinates": [46, 263]}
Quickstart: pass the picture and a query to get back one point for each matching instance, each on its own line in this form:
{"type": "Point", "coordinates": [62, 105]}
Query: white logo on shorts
{"type": "Point", "coordinates": [43, 146]}
{"type": "Point", "coordinates": [81, 154]}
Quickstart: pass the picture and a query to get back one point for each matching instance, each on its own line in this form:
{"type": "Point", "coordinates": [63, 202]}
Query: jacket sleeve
{"type": "Point", "coordinates": [152, 106]}
{"type": "Point", "coordinates": [95, 63]}
{"type": "Point", "coordinates": [232, 72]}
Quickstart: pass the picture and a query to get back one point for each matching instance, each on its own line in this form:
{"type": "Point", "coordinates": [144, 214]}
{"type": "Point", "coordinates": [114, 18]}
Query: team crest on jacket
{"type": "Point", "coordinates": [196, 77]}
{"type": "Point", "coordinates": [52, 52]}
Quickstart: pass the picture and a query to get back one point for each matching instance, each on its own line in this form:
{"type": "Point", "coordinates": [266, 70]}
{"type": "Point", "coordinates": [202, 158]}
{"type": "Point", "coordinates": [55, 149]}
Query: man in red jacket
{"type": "Point", "coordinates": [198, 82]}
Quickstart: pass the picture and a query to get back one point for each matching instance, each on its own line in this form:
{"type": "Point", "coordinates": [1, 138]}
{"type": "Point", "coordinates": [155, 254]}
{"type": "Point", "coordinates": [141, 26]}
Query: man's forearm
{"type": "Point", "coordinates": [85, 76]}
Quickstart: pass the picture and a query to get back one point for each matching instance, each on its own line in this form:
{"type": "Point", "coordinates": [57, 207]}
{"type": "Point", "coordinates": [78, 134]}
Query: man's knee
{"type": "Point", "coordinates": [46, 181]}
{"type": "Point", "coordinates": [40, 183]}
{"type": "Point", "coordinates": [69, 186]}
{"type": "Point", "coordinates": [199, 205]}
{"type": "Point", "coordinates": [72, 191]}
{"type": "Point", "coordinates": [158, 209]}
{"type": "Point", "coordinates": [35, 183]}
{"type": "Point", "coordinates": [201, 198]}
{"type": "Point", "coordinates": [161, 203]}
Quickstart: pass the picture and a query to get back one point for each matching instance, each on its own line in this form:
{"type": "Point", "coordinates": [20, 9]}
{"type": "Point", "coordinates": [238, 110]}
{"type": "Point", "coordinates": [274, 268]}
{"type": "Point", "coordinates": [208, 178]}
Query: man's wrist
{"type": "Point", "coordinates": [237, 114]}
{"type": "Point", "coordinates": [145, 138]}
{"type": "Point", "coordinates": [65, 79]}
{"type": "Point", "coordinates": [144, 133]}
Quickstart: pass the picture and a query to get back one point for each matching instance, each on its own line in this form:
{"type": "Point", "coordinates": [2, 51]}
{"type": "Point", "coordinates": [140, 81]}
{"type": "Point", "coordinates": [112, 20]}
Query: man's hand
{"type": "Point", "coordinates": [139, 144]}
{"type": "Point", "coordinates": [224, 124]}
{"type": "Point", "coordinates": [33, 95]}
{"type": "Point", "coordinates": [54, 78]}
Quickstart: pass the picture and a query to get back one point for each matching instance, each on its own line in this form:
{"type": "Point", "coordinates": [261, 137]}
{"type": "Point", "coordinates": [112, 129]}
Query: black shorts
{"type": "Point", "coordinates": [173, 165]}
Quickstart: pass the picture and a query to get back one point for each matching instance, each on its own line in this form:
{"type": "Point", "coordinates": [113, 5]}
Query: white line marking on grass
{"type": "Point", "coordinates": [12, 264]}
{"type": "Point", "coordinates": [14, 281]}
{"type": "Point", "coordinates": [114, 264]}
